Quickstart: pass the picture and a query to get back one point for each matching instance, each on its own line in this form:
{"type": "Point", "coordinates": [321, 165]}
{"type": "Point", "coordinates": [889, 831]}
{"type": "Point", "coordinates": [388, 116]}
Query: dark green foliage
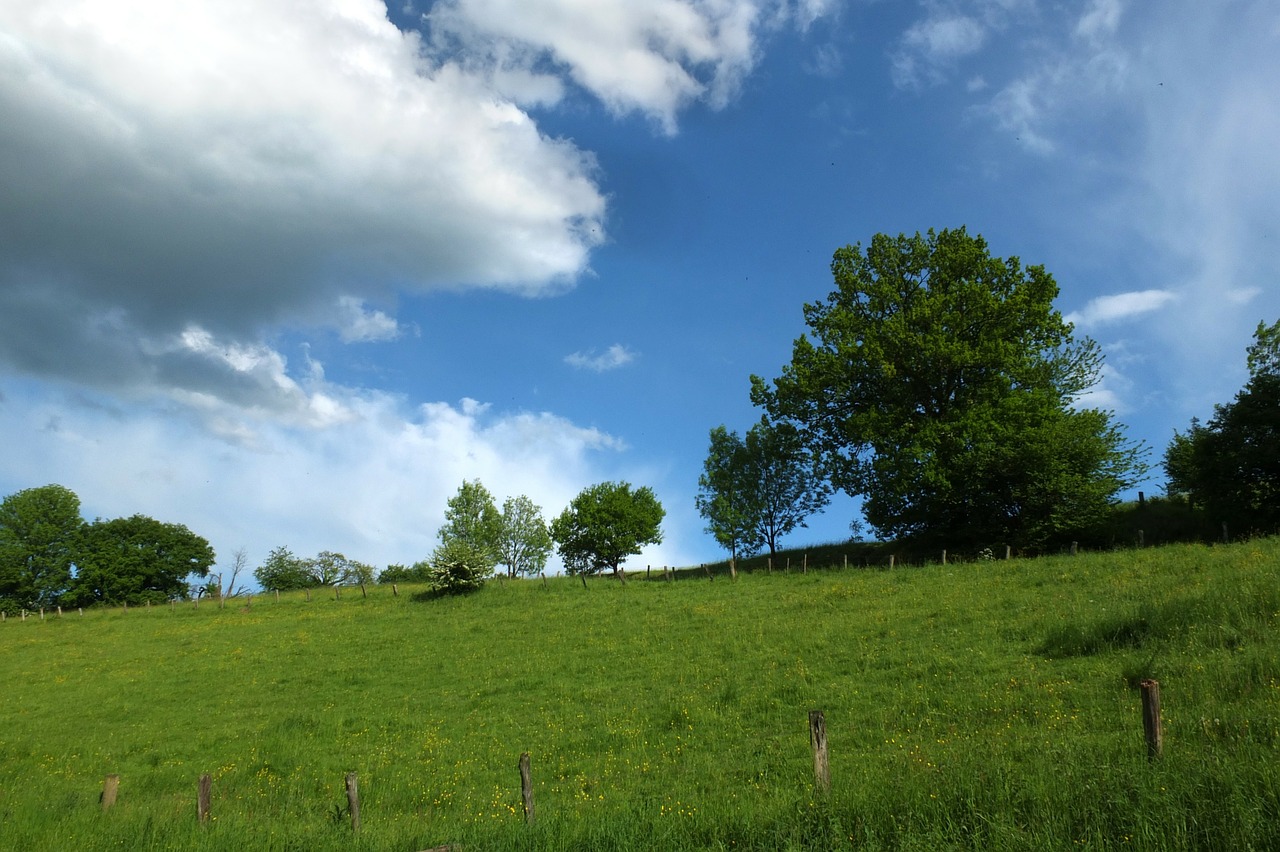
{"type": "Point", "coordinates": [39, 533]}
{"type": "Point", "coordinates": [604, 525]}
{"type": "Point", "coordinates": [419, 572]}
{"type": "Point", "coordinates": [939, 383]}
{"type": "Point", "coordinates": [753, 492]}
{"type": "Point", "coordinates": [282, 571]}
{"type": "Point", "coordinates": [135, 560]}
{"type": "Point", "coordinates": [1231, 466]}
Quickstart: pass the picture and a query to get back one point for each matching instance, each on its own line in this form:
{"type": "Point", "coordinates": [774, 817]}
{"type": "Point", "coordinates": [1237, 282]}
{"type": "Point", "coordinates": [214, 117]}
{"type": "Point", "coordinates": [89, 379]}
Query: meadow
{"type": "Point", "coordinates": [979, 705]}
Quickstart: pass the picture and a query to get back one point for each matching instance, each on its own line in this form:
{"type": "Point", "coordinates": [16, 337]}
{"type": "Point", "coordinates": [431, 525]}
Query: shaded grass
{"type": "Point", "coordinates": [970, 706]}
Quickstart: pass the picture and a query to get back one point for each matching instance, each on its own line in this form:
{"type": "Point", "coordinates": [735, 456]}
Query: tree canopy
{"type": "Point", "coordinates": [523, 541]}
{"type": "Point", "coordinates": [604, 525]}
{"type": "Point", "coordinates": [471, 516]}
{"type": "Point", "coordinates": [940, 384]}
{"type": "Point", "coordinates": [754, 491]}
{"type": "Point", "coordinates": [1231, 466]}
{"type": "Point", "coordinates": [39, 534]}
{"type": "Point", "coordinates": [137, 559]}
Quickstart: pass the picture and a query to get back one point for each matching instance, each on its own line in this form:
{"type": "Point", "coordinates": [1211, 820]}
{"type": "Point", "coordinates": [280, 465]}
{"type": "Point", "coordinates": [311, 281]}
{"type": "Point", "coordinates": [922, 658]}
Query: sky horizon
{"type": "Point", "coordinates": [288, 273]}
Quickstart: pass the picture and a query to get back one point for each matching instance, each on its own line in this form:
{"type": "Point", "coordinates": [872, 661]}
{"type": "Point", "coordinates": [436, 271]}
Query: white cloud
{"type": "Point", "coordinates": [653, 57]}
{"type": "Point", "coordinates": [1120, 306]}
{"type": "Point", "coordinates": [235, 165]}
{"type": "Point", "coordinates": [615, 356]}
{"type": "Point", "coordinates": [360, 324]}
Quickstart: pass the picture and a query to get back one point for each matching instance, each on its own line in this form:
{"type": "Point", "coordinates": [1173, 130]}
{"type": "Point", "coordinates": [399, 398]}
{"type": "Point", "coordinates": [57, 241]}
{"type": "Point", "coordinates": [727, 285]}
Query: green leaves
{"type": "Point", "coordinates": [753, 492]}
{"type": "Point", "coordinates": [1231, 466]}
{"type": "Point", "coordinates": [938, 382]}
{"type": "Point", "coordinates": [604, 525]}
{"type": "Point", "coordinates": [39, 533]}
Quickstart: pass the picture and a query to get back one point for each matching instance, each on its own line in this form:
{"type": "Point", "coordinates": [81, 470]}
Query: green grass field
{"type": "Point", "coordinates": [988, 705]}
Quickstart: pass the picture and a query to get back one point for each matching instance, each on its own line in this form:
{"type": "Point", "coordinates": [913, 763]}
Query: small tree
{"type": "Point", "coordinates": [604, 525]}
{"type": "Point", "coordinates": [283, 572]}
{"type": "Point", "coordinates": [458, 566]}
{"type": "Point", "coordinates": [754, 492]}
{"type": "Point", "coordinates": [472, 517]}
{"type": "Point", "coordinates": [524, 542]}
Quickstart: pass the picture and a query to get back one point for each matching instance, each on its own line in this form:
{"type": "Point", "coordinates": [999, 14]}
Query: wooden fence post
{"type": "Point", "coordinates": [353, 801]}
{"type": "Point", "coordinates": [277, 591]}
{"type": "Point", "coordinates": [526, 787]}
{"type": "Point", "coordinates": [1226, 537]}
{"type": "Point", "coordinates": [944, 556]}
{"type": "Point", "coordinates": [110, 787]}
{"type": "Point", "coordinates": [395, 590]}
{"type": "Point", "coordinates": [805, 569]}
{"type": "Point", "coordinates": [846, 562]}
{"type": "Point", "coordinates": [707, 568]}
{"type": "Point", "coordinates": [308, 596]}
{"type": "Point", "coordinates": [770, 564]}
{"type": "Point", "coordinates": [1142, 539]}
{"type": "Point", "coordinates": [1075, 548]}
{"type": "Point", "coordinates": [1151, 718]}
{"type": "Point", "coordinates": [890, 560]}
{"type": "Point", "coordinates": [204, 795]}
{"type": "Point", "coordinates": [818, 739]}
{"type": "Point", "coordinates": [1008, 551]}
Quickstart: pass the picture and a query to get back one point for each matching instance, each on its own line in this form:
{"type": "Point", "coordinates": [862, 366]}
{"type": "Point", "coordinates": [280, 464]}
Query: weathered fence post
{"type": "Point", "coordinates": [1226, 537]}
{"type": "Point", "coordinates": [395, 590]}
{"type": "Point", "coordinates": [81, 611]}
{"type": "Point", "coordinates": [805, 568]}
{"type": "Point", "coordinates": [1075, 548]}
{"type": "Point", "coordinates": [204, 796]}
{"type": "Point", "coordinates": [890, 560]}
{"type": "Point", "coordinates": [1008, 551]}
{"type": "Point", "coordinates": [353, 801]}
{"type": "Point", "coordinates": [770, 564]}
{"type": "Point", "coordinates": [1142, 539]}
{"type": "Point", "coordinates": [308, 596]}
{"type": "Point", "coordinates": [59, 610]}
{"type": "Point", "coordinates": [707, 568]}
{"type": "Point", "coordinates": [110, 787]}
{"type": "Point", "coordinates": [818, 739]}
{"type": "Point", "coordinates": [1151, 718]}
{"type": "Point", "coordinates": [277, 591]}
{"type": "Point", "coordinates": [648, 569]}
{"type": "Point", "coordinates": [944, 556]}
{"type": "Point", "coordinates": [526, 787]}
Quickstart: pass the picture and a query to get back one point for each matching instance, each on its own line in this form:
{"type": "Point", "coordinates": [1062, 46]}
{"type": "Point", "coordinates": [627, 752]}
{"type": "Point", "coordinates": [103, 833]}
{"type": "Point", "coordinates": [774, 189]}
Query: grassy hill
{"type": "Point", "coordinates": [987, 705]}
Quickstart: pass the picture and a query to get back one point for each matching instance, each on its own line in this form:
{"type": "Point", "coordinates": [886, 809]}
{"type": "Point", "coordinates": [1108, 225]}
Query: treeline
{"type": "Point", "coordinates": [49, 555]}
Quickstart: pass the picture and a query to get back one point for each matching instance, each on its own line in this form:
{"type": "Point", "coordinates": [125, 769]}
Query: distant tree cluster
{"type": "Point", "coordinates": [1230, 466]}
{"type": "Point", "coordinates": [938, 384]}
{"type": "Point", "coordinates": [282, 571]}
{"type": "Point", "coordinates": [49, 556]}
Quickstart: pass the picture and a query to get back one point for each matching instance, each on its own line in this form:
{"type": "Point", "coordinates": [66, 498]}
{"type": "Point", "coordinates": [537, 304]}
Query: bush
{"type": "Point", "coordinates": [458, 566]}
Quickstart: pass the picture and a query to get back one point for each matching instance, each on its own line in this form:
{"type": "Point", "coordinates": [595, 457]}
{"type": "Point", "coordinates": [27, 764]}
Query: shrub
{"type": "Point", "coordinates": [458, 566]}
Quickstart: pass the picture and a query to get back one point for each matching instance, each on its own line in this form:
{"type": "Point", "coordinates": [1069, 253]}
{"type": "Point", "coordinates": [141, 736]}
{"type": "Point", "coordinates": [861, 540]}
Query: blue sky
{"type": "Point", "coordinates": [288, 273]}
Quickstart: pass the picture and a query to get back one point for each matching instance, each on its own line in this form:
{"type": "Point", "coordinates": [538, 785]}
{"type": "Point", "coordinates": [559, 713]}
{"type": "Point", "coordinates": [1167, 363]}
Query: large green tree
{"type": "Point", "coordinates": [604, 525]}
{"type": "Point", "coordinates": [1231, 466]}
{"type": "Point", "coordinates": [940, 384]}
{"type": "Point", "coordinates": [137, 559]}
{"type": "Point", "coordinates": [754, 491]}
{"type": "Point", "coordinates": [39, 533]}
{"type": "Point", "coordinates": [524, 542]}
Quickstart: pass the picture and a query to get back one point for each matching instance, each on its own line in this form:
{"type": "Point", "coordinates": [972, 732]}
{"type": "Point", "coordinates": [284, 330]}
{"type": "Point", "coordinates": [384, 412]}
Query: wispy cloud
{"type": "Point", "coordinates": [615, 356]}
{"type": "Point", "coordinates": [1120, 306]}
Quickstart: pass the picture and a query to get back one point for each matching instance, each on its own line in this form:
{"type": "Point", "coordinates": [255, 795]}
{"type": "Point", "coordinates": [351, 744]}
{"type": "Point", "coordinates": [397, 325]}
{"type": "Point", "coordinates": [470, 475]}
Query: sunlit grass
{"type": "Point", "coordinates": [980, 705]}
